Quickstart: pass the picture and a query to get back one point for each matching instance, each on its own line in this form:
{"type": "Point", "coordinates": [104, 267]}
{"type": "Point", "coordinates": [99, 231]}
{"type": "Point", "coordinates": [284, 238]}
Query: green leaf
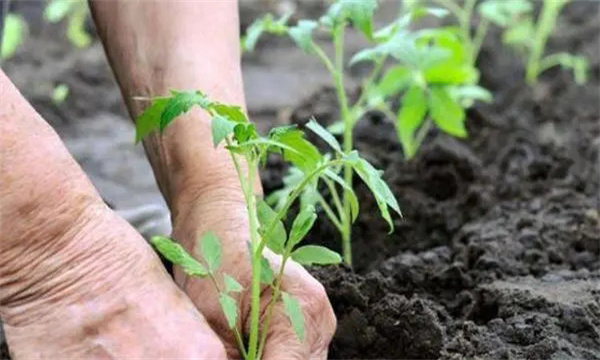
{"type": "Point", "coordinates": [60, 93]}
{"type": "Point", "coordinates": [410, 117]}
{"type": "Point", "coordinates": [230, 309]}
{"type": "Point", "coordinates": [521, 33]}
{"type": "Point", "coordinates": [230, 112]}
{"type": "Point", "coordinates": [220, 128]}
{"type": "Point", "coordinates": [302, 225]}
{"type": "Point", "coordinates": [253, 33]}
{"type": "Point", "coordinates": [266, 273]}
{"type": "Point", "coordinates": [470, 93]}
{"type": "Point", "coordinates": [231, 285]}
{"type": "Point", "coordinates": [76, 32]}
{"type": "Point", "coordinates": [314, 254]}
{"type": "Point", "coordinates": [383, 194]}
{"type": "Point", "coordinates": [315, 127]}
{"type": "Point", "coordinates": [360, 14]}
{"type": "Point", "coordinates": [504, 12]}
{"type": "Point", "coordinates": [150, 118]}
{"type": "Point", "coordinates": [446, 112]}
{"type": "Point", "coordinates": [354, 207]}
{"type": "Point", "coordinates": [393, 81]}
{"type": "Point", "coordinates": [276, 240]}
{"type": "Point", "coordinates": [243, 132]}
{"type": "Point", "coordinates": [14, 33]}
{"type": "Point", "coordinates": [302, 34]}
{"type": "Point", "coordinates": [56, 10]}
{"type": "Point", "coordinates": [293, 311]}
{"type": "Point", "coordinates": [450, 74]}
{"type": "Point", "coordinates": [305, 156]}
{"type": "Point", "coordinates": [176, 254]}
{"type": "Point", "coordinates": [210, 247]}
{"type": "Point", "coordinates": [179, 103]}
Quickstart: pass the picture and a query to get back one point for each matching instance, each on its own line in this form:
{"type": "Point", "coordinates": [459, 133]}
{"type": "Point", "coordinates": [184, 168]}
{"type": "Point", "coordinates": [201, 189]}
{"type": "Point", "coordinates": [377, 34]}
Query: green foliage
{"type": "Point", "coordinates": [60, 93]}
{"type": "Point", "coordinates": [75, 12]}
{"type": "Point", "coordinates": [230, 125]}
{"type": "Point", "coordinates": [230, 309]}
{"type": "Point", "coordinates": [13, 35]}
{"type": "Point", "coordinates": [294, 313]}
{"type": "Point", "coordinates": [314, 254]}
{"type": "Point", "coordinates": [210, 248]}
{"type": "Point", "coordinates": [176, 254]}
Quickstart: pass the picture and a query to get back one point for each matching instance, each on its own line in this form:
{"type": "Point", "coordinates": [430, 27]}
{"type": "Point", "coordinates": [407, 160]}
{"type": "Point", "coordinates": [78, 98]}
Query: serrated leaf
{"type": "Point", "coordinates": [266, 272]}
{"type": "Point", "coordinates": [293, 311]}
{"type": "Point", "coordinates": [243, 132]}
{"type": "Point", "coordinates": [276, 239]}
{"type": "Point", "coordinates": [210, 247]}
{"type": "Point", "coordinates": [450, 74]}
{"type": "Point", "coordinates": [302, 34]}
{"type": "Point", "coordinates": [231, 285]}
{"type": "Point", "coordinates": [315, 127]}
{"type": "Point", "coordinates": [176, 254]}
{"type": "Point", "coordinates": [150, 118]}
{"type": "Point", "coordinates": [302, 224]}
{"type": "Point", "coordinates": [447, 114]}
{"type": "Point", "coordinates": [13, 35]}
{"type": "Point", "coordinates": [305, 156]}
{"type": "Point", "coordinates": [230, 309]}
{"type": "Point", "coordinates": [383, 194]}
{"type": "Point", "coordinates": [179, 103]}
{"type": "Point", "coordinates": [314, 254]}
{"type": "Point", "coordinates": [230, 112]}
{"type": "Point", "coordinates": [360, 14]}
{"type": "Point", "coordinates": [410, 117]}
{"type": "Point", "coordinates": [393, 81]}
{"type": "Point", "coordinates": [220, 128]}
{"type": "Point", "coordinates": [354, 207]}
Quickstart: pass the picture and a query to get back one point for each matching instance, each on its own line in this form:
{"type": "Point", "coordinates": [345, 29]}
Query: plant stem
{"type": "Point", "coordinates": [256, 264]}
{"type": "Point", "coordinates": [480, 33]}
{"type": "Point", "coordinates": [338, 41]}
{"type": "Point", "coordinates": [546, 22]}
{"type": "Point", "coordinates": [330, 214]}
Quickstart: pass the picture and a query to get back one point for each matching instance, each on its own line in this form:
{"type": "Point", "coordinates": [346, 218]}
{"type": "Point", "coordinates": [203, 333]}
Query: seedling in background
{"type": "Point", "coordinates": [12, 35]}
{"type": "Point", "coordinates": [432, 70]}
{"type": "Point", "coordinates": [516, 19]}
{"type": "Point", "coordinates": [231, 127]}
{"type": "Point", "coordinates": [75, 11]}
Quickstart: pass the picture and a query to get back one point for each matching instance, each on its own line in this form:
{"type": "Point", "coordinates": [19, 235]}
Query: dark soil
{"type": "Point", "coordinates": [498, 253]}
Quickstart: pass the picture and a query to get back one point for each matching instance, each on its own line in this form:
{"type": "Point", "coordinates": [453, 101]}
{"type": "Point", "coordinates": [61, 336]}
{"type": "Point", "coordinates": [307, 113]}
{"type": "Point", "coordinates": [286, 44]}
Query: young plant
{"type": "Point", "coordinates": [75, 11]}
{"type": "Point", "coordinates": [231, 127]}
{"type": "Point", "coordinates": [516, 19]}
{"type": "Point", "coordinates": [433, 70]}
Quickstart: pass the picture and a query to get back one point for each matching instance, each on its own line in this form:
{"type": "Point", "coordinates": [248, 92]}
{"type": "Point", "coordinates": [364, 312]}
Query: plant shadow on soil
{"type": "Point", "coordinates": [497, 256]}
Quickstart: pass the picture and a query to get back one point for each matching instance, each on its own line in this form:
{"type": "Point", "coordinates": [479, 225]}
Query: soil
{"type": "Point", "coordinates": [498, 253]}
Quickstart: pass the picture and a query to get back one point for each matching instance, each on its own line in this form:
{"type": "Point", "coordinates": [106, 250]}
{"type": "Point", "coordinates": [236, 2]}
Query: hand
{"type": "Point", "coordinates": [222, 210]}
{"type": "Point", "coordinates": [98, 292]}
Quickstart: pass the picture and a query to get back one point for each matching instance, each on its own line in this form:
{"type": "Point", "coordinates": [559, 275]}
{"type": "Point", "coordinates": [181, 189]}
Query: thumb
{"type": "Point", "coordinates": [282, 341]}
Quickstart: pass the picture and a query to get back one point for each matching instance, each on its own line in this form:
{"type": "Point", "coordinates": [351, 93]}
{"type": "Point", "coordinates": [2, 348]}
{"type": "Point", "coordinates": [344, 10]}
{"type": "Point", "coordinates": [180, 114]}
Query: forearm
{"type": "Point", "coordinates": [192, 45]}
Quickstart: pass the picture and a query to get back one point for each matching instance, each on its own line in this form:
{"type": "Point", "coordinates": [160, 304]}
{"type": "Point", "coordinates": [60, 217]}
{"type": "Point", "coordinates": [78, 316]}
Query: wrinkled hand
{"type": "Point", "coordinates": [223, 211]}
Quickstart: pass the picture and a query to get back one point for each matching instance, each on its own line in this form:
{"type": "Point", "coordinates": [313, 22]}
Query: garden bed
{"type": "Point", "coordinates": [498, 253]}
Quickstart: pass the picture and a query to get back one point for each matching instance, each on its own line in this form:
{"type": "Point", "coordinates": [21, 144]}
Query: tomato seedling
{"type": "Point", "coordinates": [432, 70]}
{"type": "Point", "coordinates": [520, 30]}
{"type": "Point", "coordinates": [230, 126]}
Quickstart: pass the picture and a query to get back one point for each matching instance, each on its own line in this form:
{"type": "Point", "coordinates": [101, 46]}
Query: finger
{"type": "Point", "coordinates": [319, 319]}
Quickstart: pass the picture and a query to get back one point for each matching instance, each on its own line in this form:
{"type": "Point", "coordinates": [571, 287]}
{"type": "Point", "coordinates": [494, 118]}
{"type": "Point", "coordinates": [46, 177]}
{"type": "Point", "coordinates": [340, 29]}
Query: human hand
{"type": "Point", "coordinates": [97, 291]}
{"type": "Point", "coordinates": [221, 209]}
